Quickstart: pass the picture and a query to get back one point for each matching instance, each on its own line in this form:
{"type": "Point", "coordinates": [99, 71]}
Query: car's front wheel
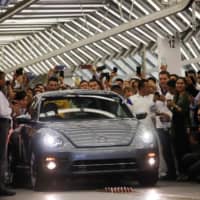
{"type": "Point", "coordinates": [38, 181]}
{"type": "Point", "coordinates": [148, 179]}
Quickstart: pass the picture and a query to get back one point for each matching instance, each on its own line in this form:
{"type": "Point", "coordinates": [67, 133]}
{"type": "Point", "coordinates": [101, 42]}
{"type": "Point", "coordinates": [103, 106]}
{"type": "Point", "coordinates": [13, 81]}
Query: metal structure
{"type": "Point", "coordinates": [39, 34]}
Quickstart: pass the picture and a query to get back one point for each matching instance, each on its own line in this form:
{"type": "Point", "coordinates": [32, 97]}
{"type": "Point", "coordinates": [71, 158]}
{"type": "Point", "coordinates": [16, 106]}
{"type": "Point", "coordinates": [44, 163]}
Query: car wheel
{"type": "Point", "coordinates": [13, 177]}
{"type": "Point", "coordinates": [148, 179]}
{"type": "Point", "coordinates": [37, 180]}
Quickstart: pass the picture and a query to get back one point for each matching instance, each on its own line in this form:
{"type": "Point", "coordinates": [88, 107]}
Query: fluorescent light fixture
{"type": "Point", "coordinates": [184, 19]}
{"type": "Point", "coordinates": [76, 55]}
{"type": "Point", "coordinates": [119, 43]}
{"type": "Point", "coordinates": [44, 66]}
{"type": "Point", "coordinates": [49, 63]}
{"type": "Point", "coordinates": [10, 38]}
{"type": "Point", "coordinates": [195, 68]}
{"type": "Point", "coordinates": [45, 42]}
{"type": "Point", "coordinates": [196, 43]}
{"type": "Point", "coordinates": [51, 35]}
{"type": "Point", "coordinates": [41, 39]}
{"type": "Point", "coordinates": [31, 47]}
{"type": "Point", "coordinates": [37, 43]}
{"type": "Point", "coordinates": [173, 24]}
{"type": "Point", "coordinates": [50, 15]}
{"type": "Point", "coordinates": [91, 25]}
{"type": "Point", "coordinates": [17, 57]}
{"type": "Point", "coordinates": [85, 54]}
{"type": "Point", "coordinates": [60, 36]}
{"type": "Point", "coordinates": [100, 23]}
{"type": "Point", "coordinates": [36, 21]}
{"type": "Point", "coordinates": [164, 27]}
{"type": "Point", "coordinates": [69, 34]}
{"type": "Point", "coordinates": [154, 5]}
{"type": "Point", "coordinates": [83, 5]}
{"type": "Point", "coordinates": [76, 31]}
{"type": "Point", "coordinates": [51, 39]}
{"type": "Point", "coordinates": [72, 60]}
{"type": "Point", "coordinates": [165, 2]}
{"type": "Point", "coordinates": [110, 45]}
{"type": "Point", "coordinates": [94, 52]}
{"type": "Point", "coordinates": [124, 8]}
{"type": "Point", "coordinates": [191, 49]}
{"type": "Point", "coordinates": [154, 31]}
{"type": "Point", "coordinates": [136, 37]}
{"type": "Point", "coordinates": [82, 27]}
{"type": "Point", "coordinates": [106, 18]}
{"type": "Point", "coordinates": [61, 10]}
{"type": "Point", "coordinates": [40, 67]}
{"type": "Point", "coordinates": [145, 34]}
{"type": "Point", "coordinates": [141, 8]}
{"type": "Point", "coordinates": [184, 53]}
{"type": "Point", "coordinates": [127, 40]}
{"type": "Point", "coordinates": [99, 47]}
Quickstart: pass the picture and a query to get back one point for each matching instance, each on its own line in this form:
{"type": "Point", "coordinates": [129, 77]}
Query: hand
{"type": "Point", "coordinates": [164, 117]}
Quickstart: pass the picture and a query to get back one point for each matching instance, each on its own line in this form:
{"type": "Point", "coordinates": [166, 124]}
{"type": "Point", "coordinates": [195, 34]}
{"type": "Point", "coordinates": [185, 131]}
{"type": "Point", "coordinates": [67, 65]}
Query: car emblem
{"type": "Point", "coordinates": [101, 139]}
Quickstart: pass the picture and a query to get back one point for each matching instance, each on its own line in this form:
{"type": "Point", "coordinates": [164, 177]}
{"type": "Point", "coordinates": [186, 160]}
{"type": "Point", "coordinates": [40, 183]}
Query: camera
{"type": "Point", "coordinates": [59, 68]}
{"type": "Point", "coordinates": [157, 94]}
{"type": "Point", "coordinates": [101, 68]}
{"type": "Point", "coordinates": [86, 66]}
{"type": "Point", "coordinates": [106, 75]}
{"type": "Point", "coordinates": [138, 70]}
{"type": "Point", "coordinates": [19, 71]}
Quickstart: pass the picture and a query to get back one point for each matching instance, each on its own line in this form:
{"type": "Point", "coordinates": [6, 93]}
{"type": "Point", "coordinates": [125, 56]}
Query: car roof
{"type": "Point", "coordinates": [77, 92]}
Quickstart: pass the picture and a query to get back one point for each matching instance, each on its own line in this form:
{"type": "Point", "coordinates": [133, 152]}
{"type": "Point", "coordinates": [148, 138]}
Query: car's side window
{"type": "Point", "coordinates": [33, 109]}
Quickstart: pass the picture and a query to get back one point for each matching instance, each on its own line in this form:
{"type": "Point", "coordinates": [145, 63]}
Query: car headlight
{"type": "Point", "coordinates": [51, 138]}
{"type": "Point", "coordinates": [52, 141]}
{"type": "Point", "coordinates": [144, 138]}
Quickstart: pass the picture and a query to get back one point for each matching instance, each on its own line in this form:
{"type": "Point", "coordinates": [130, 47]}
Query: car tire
{"type": "Point", "coordinates": [38, 181]}
{"type": "Point", "coordinates": [148, 179]}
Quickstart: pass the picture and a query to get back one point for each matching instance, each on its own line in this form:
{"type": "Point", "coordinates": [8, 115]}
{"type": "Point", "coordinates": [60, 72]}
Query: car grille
{"type": "Point", "coordinates": [103, 165]}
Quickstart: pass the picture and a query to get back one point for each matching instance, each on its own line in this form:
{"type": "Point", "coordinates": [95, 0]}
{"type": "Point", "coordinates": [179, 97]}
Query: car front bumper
{"type": "Point", "coordinates": [97, 162]}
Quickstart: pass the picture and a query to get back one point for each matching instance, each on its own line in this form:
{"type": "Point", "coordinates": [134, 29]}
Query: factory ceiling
{"type": "Point", "coordinates": [39, 34]}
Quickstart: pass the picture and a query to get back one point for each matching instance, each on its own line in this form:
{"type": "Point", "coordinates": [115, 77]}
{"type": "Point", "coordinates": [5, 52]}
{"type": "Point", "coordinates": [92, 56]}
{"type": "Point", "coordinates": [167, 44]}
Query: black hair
{"type": "Point", "coordinates": [53, 79]}
{"type": "Point", "coordinates": [141, 83]}
{"type": "Point", "coordinates": [152, 79]}
{"type": "Point", "coordinates": [171, 83]}
{"type": "Point", "coordinates": [164, 73]}
{"type": "Point", "coordinates": [20, 95]}
{"type": "Point", "coordinates": [19, 71]}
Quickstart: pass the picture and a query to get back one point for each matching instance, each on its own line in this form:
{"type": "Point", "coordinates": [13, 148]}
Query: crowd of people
{"type": "Point", "coordinates": [172, 102]}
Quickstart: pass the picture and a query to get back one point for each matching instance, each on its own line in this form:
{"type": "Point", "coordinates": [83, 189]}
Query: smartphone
{"type": "Point", "coordinates": [59, 68]}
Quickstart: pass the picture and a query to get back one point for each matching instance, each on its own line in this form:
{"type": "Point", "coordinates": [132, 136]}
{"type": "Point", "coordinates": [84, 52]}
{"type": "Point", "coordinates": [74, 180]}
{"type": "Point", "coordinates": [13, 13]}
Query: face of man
{"type": "Point", "coordinates": [94, 85]}
{"type": "Point", "coordinates": [52, 85]}
{"type": "Point", "coordinates": [2, 80]}
{"type": "Point", "coordinates": [163, 79]}
{"type": "Point", "coordinates": [84, 85]}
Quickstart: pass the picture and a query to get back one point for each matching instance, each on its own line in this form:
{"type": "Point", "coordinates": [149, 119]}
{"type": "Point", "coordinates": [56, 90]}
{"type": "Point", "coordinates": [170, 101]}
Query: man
{"type": "Point", "coordinates": [163, 118]}
{"type": "Point", "coordinates": [52, 84]}
{"type": "Point", "coordinates": [142, 101]}
{"type": "Point", "coordinates": [5, 118]}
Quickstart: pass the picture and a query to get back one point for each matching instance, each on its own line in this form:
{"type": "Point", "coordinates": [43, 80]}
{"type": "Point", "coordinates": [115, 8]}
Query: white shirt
{"type": "Point", "coordinates": [5, 110]}
{"type": "Point", "coordinates": [141, 104]}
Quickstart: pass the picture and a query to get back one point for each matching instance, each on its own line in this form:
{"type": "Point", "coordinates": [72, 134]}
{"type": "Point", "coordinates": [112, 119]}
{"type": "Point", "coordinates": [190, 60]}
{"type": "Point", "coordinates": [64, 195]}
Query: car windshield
{"type": "Point", "coordinates": [82, 107]}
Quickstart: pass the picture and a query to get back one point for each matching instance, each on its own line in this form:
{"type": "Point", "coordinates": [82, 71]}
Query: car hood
{"type": "Point", "coordinates": [98, 133]}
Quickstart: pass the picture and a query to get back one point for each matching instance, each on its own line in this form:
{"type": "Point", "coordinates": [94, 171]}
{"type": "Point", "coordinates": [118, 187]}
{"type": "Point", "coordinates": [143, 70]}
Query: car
{"type": "Point", "coordinates": [71, 133]}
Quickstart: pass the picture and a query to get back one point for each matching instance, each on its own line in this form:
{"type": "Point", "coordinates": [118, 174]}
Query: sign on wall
{"type": "Point", "coordinates": [169, 54]}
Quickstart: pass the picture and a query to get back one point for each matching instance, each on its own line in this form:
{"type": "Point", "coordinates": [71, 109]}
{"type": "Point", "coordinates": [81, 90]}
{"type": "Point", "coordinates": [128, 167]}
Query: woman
{"type": "Point", "coordinates": [180, 121]}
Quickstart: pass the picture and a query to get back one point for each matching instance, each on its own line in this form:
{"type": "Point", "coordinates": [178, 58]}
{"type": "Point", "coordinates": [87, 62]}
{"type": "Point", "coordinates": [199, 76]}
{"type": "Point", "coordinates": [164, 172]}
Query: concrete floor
{"type": "Point", "coordinates": [163, 191]}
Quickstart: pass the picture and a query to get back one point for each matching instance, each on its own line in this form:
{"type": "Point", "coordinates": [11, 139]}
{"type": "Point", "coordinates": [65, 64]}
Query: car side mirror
{"type": "Point", "coordinates": [24, 119]}
{"type": "Point", "coordinates": [140, 116]}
